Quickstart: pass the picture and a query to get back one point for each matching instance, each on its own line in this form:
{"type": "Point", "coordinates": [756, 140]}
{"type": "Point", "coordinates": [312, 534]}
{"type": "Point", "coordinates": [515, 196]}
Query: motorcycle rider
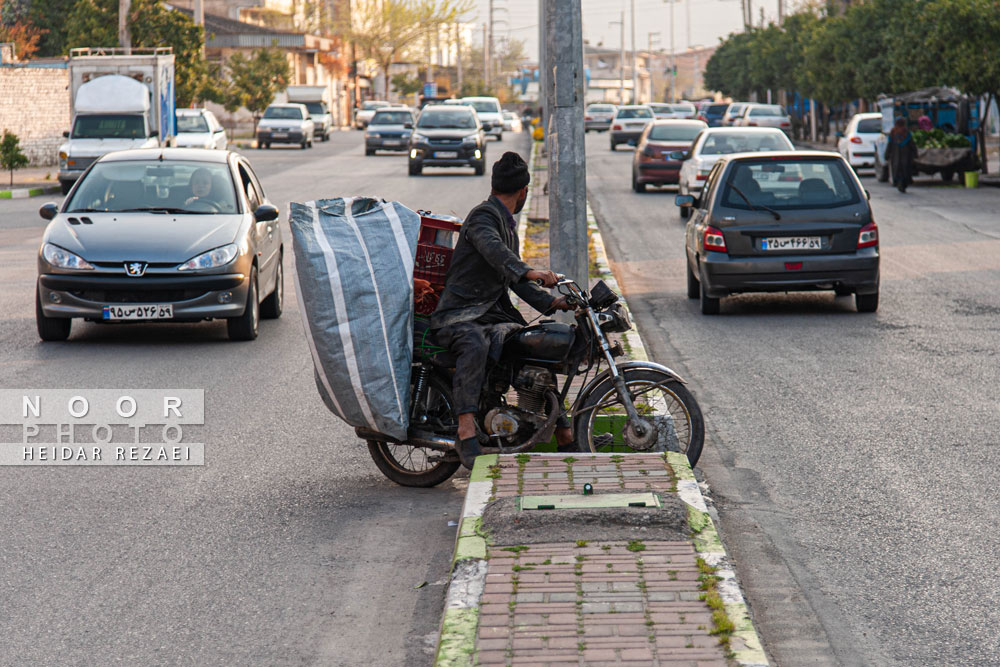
{"type": "Point", "coordinates": [475, 313]}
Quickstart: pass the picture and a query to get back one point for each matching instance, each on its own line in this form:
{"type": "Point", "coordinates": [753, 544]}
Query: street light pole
{"type": "Point", "coordinates": [635, 62]}
{"type": "Point", "coordinates": [621, 59]}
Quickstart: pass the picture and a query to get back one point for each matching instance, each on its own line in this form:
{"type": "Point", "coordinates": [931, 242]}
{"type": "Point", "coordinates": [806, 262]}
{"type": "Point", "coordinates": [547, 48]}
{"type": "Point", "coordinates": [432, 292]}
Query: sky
{"type": "Point", "coordinates": [710, 20]}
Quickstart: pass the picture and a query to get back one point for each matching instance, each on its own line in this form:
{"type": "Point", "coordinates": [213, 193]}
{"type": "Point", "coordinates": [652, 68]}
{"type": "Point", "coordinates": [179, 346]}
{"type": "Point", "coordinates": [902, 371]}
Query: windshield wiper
{"type": "Point", "coordinates": [159, 209]}
{"type": "Point", "coordinates": [88, 210]}
{"type": "Point", "coordinates": [777, 216]}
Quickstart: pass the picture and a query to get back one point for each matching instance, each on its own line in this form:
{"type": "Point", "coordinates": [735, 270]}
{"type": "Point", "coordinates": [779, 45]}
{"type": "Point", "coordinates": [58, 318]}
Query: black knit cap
{"type": "Point", "coordinates": [510, 173]}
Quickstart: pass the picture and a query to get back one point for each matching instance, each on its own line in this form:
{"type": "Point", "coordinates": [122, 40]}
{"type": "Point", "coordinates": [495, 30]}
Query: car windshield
{"type": "Point", "coordinates": [686, 108]}
{"type": "Point", "coordinates": [677, 132]}
{"type": "Point", "coordinates": [461, 119]}
{"type": "Point", "coordinates": [316, 108]}
{"type": "Point", "coordinates": [368, 106]}
{"type": "Point", "coordinates": [284, 113]}
{"type": "Point", "coordinates": [660, 107]}
{"type": "Point", "coordinates": [601, 108]}
{"type": "Point", "coordinates": [767, 111]}
{"type": "Point", "coordinates": [170, 186]}
{"type": "Point", "coordinates": [635, 113]}
{"type": "Point", "coordinates": [789, 184]}
{"type": "Point", "coordinates": [485, 106]}
{"type": "Point", "coordinates": [869, 126]}
{"type": "Point", "coordinates": [391, 118]}
{"type": "Point", "coordinates": [109, 127]}
{"type": "Point", "coordinates": [722, 143]}
{"type": "Point", "coordinates": [716, 109]}
{"type": "Point", "coordinates": [192, 124]}
{"type": "Point", "coordinates": [734, 109]}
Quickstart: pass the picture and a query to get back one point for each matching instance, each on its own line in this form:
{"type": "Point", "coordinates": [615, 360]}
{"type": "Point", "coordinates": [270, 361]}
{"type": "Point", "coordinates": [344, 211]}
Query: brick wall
{"type": "Point", "coordinates": [34, 105]}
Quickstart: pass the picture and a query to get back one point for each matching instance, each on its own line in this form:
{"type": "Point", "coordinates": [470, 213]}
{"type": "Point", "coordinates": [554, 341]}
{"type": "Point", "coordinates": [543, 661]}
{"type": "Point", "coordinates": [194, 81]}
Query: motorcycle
{"type": "Point", "coordinates": [628, 406]}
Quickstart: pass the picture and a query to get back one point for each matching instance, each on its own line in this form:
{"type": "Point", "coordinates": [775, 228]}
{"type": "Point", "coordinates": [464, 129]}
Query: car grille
{"type": "Point", "coordinates": [444, 142]}
{"type": "Point", "coordinates": [138, 295]}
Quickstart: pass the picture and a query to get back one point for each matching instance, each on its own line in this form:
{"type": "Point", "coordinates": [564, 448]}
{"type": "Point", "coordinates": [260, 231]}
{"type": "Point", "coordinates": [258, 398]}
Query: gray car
{"type": "Point", "coordinates": [389, 130]}
{"type": "Point", "coordinates": [166, 235]}
{"type": "Point", "coordinates": [781, 222]}
{"type": "Point", "coordinates": [598, 117]}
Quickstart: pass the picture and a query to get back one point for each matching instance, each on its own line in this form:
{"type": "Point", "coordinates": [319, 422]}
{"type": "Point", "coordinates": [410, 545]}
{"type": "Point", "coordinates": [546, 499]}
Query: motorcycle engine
{"type": "Point", "coordinates": [531, 384]}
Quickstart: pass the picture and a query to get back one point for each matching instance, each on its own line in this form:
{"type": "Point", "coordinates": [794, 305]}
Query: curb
{"type": "Point", "coordinates": [24, 193]}
{"type": "Point", "coordinates": [460, 620]}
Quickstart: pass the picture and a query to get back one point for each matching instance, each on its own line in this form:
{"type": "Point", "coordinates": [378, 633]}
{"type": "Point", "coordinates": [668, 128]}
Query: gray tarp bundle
{"type": "Point", "coordinates": [354, 277]}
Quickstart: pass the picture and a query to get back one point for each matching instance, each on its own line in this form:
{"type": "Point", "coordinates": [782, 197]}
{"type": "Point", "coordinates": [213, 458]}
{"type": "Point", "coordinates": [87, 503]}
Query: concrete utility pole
{"type": "Point", "coordinates": [199, 19]}
{"type": "Point", "coordinates": [673, 56]}
{"type": "Point", "coordinates": [635, 62]}
{"type": "Point", "coordinates": [124, 36]}
{"type": "Point", "coordinates": [489, 48]}
{"type": "Point", "coordinates": [486, 58]}
{"type": "Point", "coordinates": [458, 57]}
{"type": "Point", "coordinates": [621, 59]}
{"type": "Point", "coordinates": [567, 156]}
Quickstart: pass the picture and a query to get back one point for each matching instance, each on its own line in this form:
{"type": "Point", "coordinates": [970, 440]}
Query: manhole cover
{"type": "Point", "coordinates": [581, 502]}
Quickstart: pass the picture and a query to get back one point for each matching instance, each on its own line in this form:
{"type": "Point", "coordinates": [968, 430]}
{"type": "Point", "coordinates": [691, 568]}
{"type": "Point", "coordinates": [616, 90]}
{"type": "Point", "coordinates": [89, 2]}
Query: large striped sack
{"type": "Point", "coordinates": [354, 277]}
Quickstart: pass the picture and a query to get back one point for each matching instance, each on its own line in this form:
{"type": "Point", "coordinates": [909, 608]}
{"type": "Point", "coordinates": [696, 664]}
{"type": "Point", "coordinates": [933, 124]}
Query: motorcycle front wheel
{"type": "Point", "coordinates": [601, 423]}
{"type": "Point", "coordinates": [418, 466]}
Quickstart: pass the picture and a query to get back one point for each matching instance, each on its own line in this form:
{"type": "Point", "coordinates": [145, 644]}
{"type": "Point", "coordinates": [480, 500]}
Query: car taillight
{"type": "Point", "coordinates": [784, 124]}
{"type": "Point", "coordinates": [702, 119]}
{"type": "Point", "coordinates": [587, 118]}
{"type": "Point", "coordinates": [751, 124]}
{"type": "Point", "coordinates": [868, 236]}
{"type": "Point", "coordinates": [617, 127]}
{"type": "Point", "coordinates": [714, 240]}
{"type": "Point", "coordinates": [856, 140]}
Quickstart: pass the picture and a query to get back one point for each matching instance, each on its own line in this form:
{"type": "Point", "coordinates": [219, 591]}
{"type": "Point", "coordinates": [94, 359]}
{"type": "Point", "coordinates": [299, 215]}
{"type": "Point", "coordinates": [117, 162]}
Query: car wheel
{"type": "Point", "coordinates": [947, 175]}
{"type": "Point", "coordinates": [304, 144]}
{"type": "Point", "coordinates": [636, 185]}
{"type": "Point", "coordinates": [50, 328]}
{"type": "Point", "coordinates": [614, 146]}
{"type": "Point", "coordinates": [685, 212]}
{"type": "Point", "coordinates": [65, 187]}
{"type": "Point", "coordinates": [500, 137]}
{"type": "Point", "coordinates": [693, 289]}
{"type": "Point", "coordinates": [866, 303]}
{"type": "Point", "coordinates": [271, 307]}
{"type": "Point", "coordinates": [709, 306]}
{"type": "Point", "coordinates": [369, 151]}
{"type": "Point", "coordinates": [416, 168]}
{"type": "Point", "coordinates": [481, 167]}
{"type": "Point", "coordinates": [245, 326]}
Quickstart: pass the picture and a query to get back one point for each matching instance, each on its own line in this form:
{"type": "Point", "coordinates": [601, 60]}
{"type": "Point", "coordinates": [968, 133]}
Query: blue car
{"type": "Point", "coordinates": [712, 114]}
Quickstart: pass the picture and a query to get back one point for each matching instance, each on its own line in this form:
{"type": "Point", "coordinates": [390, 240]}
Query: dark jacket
{"type": "Point", "coordinates": [484, 266]}
{"type": "Point", "coordinates": [901, 153]}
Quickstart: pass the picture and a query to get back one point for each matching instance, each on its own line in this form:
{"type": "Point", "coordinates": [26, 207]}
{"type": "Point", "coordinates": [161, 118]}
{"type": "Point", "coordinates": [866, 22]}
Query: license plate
{"type": "Point", "coordinates": [791, 243]}
{"type": "Point", "coordinates": [446, 155]}
{"type": "Point", "coordinates": [279, 135]}
{"type": "Point", "coordinates": [390, 142]}
{"type": "Point", "coordinates": [139, 312]}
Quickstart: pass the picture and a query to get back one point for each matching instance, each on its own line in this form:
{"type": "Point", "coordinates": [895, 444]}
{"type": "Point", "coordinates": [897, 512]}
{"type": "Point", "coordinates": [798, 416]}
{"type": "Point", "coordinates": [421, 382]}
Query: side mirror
{"type": "Point", "coordinates": [684, 201]}
{"type": "Point", "coordinates": [868, 195]}
{"type": "Point", "coordinates": [48, 211]}
{"type": "Point", "coordinates": [66, 134]}
{"type": "Point", "coordinates": [265, 213]}
{"type": "Point", "coordinates": [408, 126]}
{"type": "Point", "coordinates": [838, 134]}
{"type": "Point", "coordinates": [680, 156]}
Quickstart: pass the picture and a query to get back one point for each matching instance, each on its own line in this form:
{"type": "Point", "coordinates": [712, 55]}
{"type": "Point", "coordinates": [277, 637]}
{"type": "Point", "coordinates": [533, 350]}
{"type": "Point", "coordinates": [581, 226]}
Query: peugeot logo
{"type": "Point", "coordinates": [135, 269]}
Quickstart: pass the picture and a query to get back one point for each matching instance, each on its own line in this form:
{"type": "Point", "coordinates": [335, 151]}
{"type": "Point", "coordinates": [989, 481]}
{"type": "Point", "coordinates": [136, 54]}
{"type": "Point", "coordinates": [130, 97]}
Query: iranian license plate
{"type": "Point", "coordinates": [791, 243]}
{"type": "Point", "coordinates": [279, 135]}
{"type": "Point", "coordinates": [139, 312]}
{"type": "Point", "coordinates": [390, 142]}
{"type": "Point", "coordinates": [446, 155]}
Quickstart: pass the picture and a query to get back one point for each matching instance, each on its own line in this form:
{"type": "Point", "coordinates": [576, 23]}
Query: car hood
{"type": "Point", "coordinates": [387, 128]}
{"type": "Point", "coordinates": [281, 124]}
{"type": "Point", "coordinates": [143, 237]}
{"type": "Point", "coordinates": [445, 132]}
{"type": "Point", "coordinates": [99, 147]}
{"type": "Point", "coordinates": [199, 139]}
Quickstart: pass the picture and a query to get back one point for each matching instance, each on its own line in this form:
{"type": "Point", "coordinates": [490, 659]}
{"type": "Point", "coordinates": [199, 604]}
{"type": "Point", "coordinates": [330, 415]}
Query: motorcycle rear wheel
{"type": "Point", "coordinates": [657, 397]}
{"type": "Point", "coordinates": [411, 466]}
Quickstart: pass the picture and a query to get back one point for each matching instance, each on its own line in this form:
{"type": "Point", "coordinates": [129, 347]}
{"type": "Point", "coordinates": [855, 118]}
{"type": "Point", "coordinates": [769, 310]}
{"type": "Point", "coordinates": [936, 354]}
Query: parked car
{"type": "Point", "coordinates": [714, 143]}
{"type": "Point", "coordinates": [364, 115]}
{"type": "Point", "coordinates": [781, 222]}
{"type": "Point", "coordinates": [712, 113]}
{"type": "Point", "coordinates": [733, 113]}
{"type": "Point", "coordinates": [598, 117]}
{"type": "Point", "coordinates": [765, 115]}
{"type": "Point", "coordinates": [661, 110]}
{"type": "Point", "coordinates": [653, 163]}
{"type": "Point", "coordinates": [628, 124]}
{"type": "Point", "coordinates": [490, 114]}
{"type": "Point", "coordinates": [199, 128]}
{"type": "Point", "coordinates": [286, 124]}
{"type": "Point", "coordinates": [447, 136]}
{"type": "Point", "coordinates": [857, 142]}
{"type": "Point", "coordinates": [171, 234]}
{"type": "Point", "coordinates": [512, 122]}
{"type": "Point", "coordinates": [389, 130]}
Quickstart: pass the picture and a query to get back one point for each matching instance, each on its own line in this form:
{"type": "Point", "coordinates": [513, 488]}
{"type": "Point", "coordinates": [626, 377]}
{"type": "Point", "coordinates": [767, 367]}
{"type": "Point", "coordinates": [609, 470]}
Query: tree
{"type": "Point", "coordinates": [49, 16]}
{"type": "Point", "coordinates": [11, 157]}
{"type": "Point", "coordinates": [406, 84]}
{"type": "Point", "coordinates": [95, 23]}
{"type": "Point", "coordinates": [254, 80]}
{"type": "Point", "coordinates": [16, 27]}
{"type": "Point", "coordinates": [382, 31]}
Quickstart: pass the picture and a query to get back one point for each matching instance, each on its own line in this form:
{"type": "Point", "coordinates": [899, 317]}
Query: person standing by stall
{"type": "Point", "coordinates": [901, 154]}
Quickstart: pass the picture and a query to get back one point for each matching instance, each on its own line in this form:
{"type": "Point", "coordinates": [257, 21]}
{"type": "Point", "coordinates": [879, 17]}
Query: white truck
{"type": "Point", "coordinates": [317, 101]}
{"type": "Point", "coordinates": [117, 102]}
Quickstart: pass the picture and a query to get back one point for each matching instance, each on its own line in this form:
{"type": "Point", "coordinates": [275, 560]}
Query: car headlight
{"type": "Point", "coordinates": [372, 135]}
{"type": "Point", "coordinates": [211, 259]}
{"type": "Point", "coordinates": [418, 137]}
{"type": "Point", "coordinates": [471, 139]}
{"type": "Point", "coordinates": [64, 259]}
{"type": "Point", "coordinates": [63, 155]}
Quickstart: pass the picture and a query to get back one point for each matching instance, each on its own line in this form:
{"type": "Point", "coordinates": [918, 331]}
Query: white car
{"type": "Point", "coordinates": [286, 124]}
{"type": "Point", "coordinates": [199, 128]}
{"type": "Point", "coordinates": [490, 114]}
{"type": "Point", "coordinates": [713, 143]}
{"type": "Point", "coordinates": [628, 124]}
{"type": "Point", "coordinates": [661, 110]}
{"type": "Point", "coordinates": [765, 115]}
{"type": "Point", "coordinates": [733, 113]}
{"type": "Point", "coordinates": [511, 122]}
{"type": "Point", "coordinates": [685, 111]}
{"type": "Point", "coordinates": [857, 143]}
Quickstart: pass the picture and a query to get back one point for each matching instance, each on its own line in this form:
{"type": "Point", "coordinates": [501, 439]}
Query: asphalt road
{"type": "Point", "coordinates": [852, 457]}
{"type": "Point", "coordinates": [287, 547]}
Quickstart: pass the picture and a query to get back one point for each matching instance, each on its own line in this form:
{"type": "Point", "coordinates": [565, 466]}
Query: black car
{"type": "Point", "coordinates": [781, 222]}
{"type": "Point", "coordinates": [448, 136]}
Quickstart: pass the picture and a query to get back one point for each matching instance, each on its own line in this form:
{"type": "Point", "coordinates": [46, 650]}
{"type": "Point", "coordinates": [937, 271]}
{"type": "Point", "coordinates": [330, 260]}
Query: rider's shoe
{"type": "Point", "coordinates": [468, 449]}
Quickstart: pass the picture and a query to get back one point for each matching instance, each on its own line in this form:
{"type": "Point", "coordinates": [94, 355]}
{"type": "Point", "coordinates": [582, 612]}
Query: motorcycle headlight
{"type": "Point", "coordinates": [615, 319]}
{"type": "Point", "coordinates": [64, 259]}
{"type": "Point", "coordinates": [211, 259]}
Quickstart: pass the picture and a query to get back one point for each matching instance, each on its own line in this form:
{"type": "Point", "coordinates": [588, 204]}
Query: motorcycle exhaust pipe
{"type": "Point", "coordinates": [414, 439]}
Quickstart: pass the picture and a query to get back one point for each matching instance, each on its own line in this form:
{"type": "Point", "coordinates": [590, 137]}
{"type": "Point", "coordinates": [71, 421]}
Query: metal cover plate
{"type": "Point", "coordinates": [580, 502]}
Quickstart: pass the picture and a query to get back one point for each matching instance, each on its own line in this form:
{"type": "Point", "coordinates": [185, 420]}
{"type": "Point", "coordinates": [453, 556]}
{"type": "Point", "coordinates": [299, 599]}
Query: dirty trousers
{"type": "Point", "coordinates": [477, 348]}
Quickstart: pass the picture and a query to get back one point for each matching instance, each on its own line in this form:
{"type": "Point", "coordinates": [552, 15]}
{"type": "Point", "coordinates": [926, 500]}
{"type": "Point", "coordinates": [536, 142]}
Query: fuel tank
{"type": "Point", "coordinates": [547, 342]}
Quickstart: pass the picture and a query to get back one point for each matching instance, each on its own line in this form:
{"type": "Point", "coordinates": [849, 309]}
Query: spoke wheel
{"type": "Point", "coordinates": [417, 466]}
{"type": "Point", "coordinates": [602, 424]}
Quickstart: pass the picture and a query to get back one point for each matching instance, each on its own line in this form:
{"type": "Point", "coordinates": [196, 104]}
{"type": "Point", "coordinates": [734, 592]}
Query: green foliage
{"type": "Point", "coordinates": [11, 156]}
{"type": "Point", "coordinates": [938, 138]}
{"type": "Point", "coordinates": [95, 23]}
{"type": "Point", "coordinates": [406, 84]}
{"type": "Point", "coordinates": [49, 16]}
{"type": "Point", "coordinates": [254, 80]}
